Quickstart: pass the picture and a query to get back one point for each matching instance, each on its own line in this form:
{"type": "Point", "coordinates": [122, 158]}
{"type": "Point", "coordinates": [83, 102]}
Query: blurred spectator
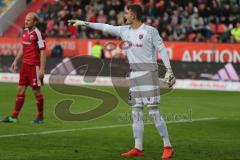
{"type": "Point", "coordinates": [199, 38]}
{"type": "Point", "coordinates": [57, 51]}
{"type": "Point", "coordinates": [120, 18]}
{"type": "Point", "coordinates": [101, 18]}
{"type": "Point", "coordinates": [42, 26]}
{"type": "Point", "coordinates": [186, 22]}
{"type": "Point", "coordinates": [235, 32]}
{"type": "Point", "coordinates": [112, 16]}
{"type": "Point", "coordinates": [197, 23]}
{"type": "Point", "coordinates": [151, 9]}
{"type": "Point", "coordinates": [175, 20]}
{"type": "Point", "coordinates": [80, 15]}
{"type": "Point", "coordinates": [97, 50]}
{"type": "Point", "coordinates": [179, 33]}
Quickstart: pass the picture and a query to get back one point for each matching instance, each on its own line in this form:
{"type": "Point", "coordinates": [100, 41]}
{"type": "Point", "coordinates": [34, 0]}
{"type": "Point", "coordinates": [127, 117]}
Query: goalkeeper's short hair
{"type": "Point", "coordinates": [137, 9]}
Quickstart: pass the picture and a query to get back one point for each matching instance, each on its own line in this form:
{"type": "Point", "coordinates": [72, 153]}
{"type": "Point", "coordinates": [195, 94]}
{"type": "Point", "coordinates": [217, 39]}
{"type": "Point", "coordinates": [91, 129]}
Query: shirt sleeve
{"type": "Point", "coordinates": [40, 40]}
{"type": "Point", "coordinates": [159, 45]}
{"type": "Point", "coordinates": [113, 30]}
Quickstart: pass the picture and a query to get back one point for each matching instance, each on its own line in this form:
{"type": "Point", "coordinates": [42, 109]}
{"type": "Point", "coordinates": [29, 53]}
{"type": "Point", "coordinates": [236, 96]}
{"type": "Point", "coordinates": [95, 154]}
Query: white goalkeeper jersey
{"type": "Point", "coordinates": [141, 45]}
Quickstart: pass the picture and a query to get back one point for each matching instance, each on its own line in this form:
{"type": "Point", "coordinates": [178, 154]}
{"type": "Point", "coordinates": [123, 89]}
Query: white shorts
{"type": "Point", "coordinates": [144, 88]}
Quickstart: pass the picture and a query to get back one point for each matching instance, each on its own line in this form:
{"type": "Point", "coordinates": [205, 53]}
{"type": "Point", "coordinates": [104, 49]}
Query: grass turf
{"type": "Point", "coordinates": [211, 139]}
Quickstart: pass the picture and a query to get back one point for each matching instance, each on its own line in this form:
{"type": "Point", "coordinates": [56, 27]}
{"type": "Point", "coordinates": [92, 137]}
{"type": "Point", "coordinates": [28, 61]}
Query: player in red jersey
{"type": "Point", "coordinates": [32, 52]}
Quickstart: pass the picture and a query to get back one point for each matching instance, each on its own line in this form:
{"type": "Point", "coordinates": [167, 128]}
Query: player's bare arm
{"type": "Point", "coordinates": [42, 63]}
{"type": "Point", "coordinates": [19, 55]}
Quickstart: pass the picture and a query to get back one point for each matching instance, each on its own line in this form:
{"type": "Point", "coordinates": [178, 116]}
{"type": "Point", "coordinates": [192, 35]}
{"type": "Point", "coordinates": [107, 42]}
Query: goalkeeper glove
{"type": "Point", "coordinates": [77, 22]}
{"type": "Point", "coordinates": [169, 78]}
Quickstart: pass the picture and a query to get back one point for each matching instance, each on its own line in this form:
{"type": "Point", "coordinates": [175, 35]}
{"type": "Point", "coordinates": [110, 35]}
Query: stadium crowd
{"type": "Point", "coordinates": [176, 20]}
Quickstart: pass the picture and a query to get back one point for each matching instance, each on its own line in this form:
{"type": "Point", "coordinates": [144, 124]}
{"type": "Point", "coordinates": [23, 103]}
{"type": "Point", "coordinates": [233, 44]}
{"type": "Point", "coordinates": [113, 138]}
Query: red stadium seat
{"type": "Point", "coordinates": [221, 28]}
{"type": "Point", "coordinates": [191, 36]}
{"type": "Point", "coordinates": [73, 30]}
{"type": "Point", "coordinates": [213, 27]}
{"type": "Point", "coordinates": [214, 38]}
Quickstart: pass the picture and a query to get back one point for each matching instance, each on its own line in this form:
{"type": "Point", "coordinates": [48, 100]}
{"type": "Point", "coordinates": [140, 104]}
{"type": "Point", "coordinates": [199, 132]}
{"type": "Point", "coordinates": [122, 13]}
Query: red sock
{"type": "Point", "coordinates": [39, 98]}
{"type": "Point", "coordinates": [18, 105]}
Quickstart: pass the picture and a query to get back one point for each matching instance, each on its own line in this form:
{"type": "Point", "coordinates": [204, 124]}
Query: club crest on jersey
{"type": "Point", "coordinates": [31, 37]}
{"type": "Point", "coordinates": [140, 36]}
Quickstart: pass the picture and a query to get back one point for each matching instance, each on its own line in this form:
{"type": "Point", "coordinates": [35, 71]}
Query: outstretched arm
{"type": "Point", "coordinates": [114, 30]}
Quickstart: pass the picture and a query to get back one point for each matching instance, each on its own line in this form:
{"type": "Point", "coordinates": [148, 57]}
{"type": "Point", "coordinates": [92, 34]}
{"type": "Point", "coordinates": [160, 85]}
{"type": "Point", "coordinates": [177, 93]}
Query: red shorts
{"type": "Point", "coordinates": [29, 75]}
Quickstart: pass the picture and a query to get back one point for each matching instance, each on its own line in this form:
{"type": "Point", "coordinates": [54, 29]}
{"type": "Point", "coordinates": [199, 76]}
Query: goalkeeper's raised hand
{"type": "Point", "coordinates": [169, 78]}
{"type": "Point", "coordinates": [77, 22]}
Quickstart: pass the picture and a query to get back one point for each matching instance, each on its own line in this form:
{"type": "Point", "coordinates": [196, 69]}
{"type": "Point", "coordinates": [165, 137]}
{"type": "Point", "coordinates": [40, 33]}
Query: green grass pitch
{"type": "Point", "coordinates": [213, 133]}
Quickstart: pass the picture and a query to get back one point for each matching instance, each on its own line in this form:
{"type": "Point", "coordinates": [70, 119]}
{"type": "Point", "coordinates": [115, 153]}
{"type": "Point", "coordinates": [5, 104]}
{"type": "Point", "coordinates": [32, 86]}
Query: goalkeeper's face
{"type": "Point", "coordinates": [129, 16]}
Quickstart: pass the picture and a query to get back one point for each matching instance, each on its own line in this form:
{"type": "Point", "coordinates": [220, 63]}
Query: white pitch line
{"type": "Point", "coordinates": [94, 128]}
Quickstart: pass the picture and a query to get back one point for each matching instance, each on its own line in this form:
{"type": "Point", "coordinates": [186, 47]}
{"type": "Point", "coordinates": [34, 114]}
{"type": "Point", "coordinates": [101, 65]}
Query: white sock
{"type": "Point", "coordinates": [139, 143]}
{"type": "Point", "coordinates": [138, 127]}
{"type": "Point", "coordinates": [160, 125]}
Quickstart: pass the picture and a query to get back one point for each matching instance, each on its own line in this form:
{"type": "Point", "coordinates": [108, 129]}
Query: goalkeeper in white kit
{"type": "Point", "coordinates": [144, 84]}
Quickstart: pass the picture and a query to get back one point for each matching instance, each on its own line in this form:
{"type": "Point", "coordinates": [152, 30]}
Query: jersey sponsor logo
{"type": "Point", "coordinates": [137, 45]}
{"type": "Point", "coordinates": [26, 42]}
{"type": "Point", "coordinates": [124, 45]}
